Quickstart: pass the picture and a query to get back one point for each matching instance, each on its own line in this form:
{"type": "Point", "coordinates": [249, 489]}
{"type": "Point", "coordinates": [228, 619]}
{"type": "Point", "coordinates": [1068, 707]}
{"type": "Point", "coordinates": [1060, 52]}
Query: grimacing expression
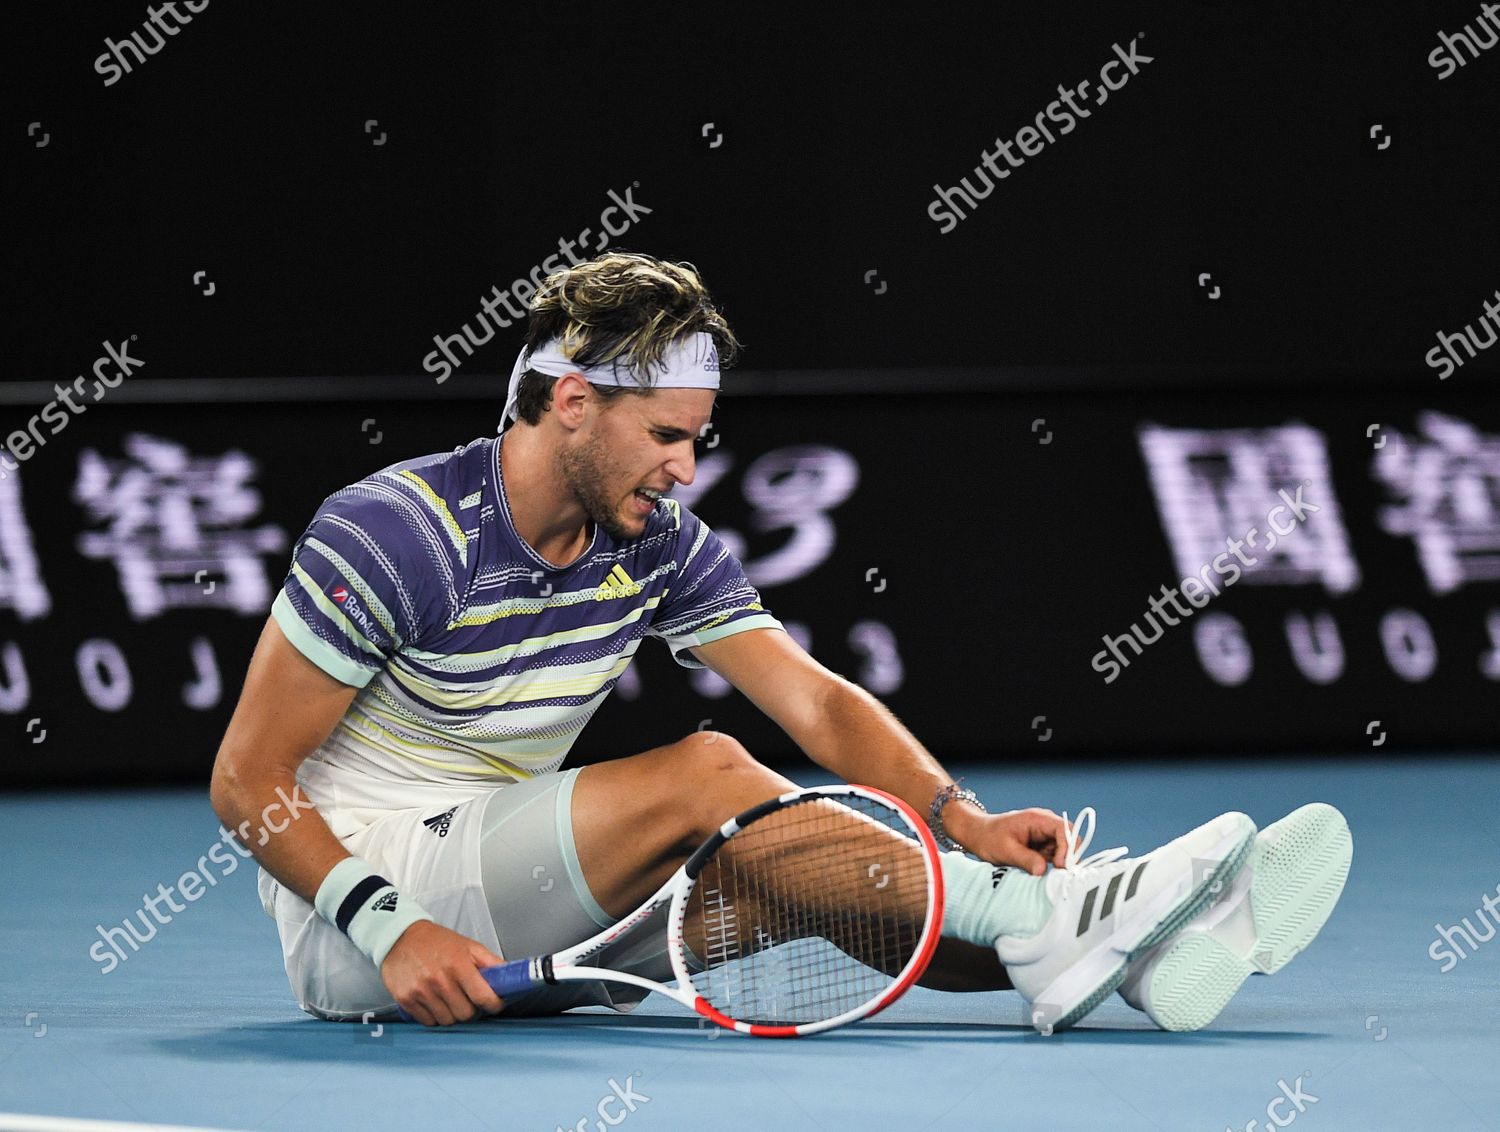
{"type": "Point", "coordinates": [636, 442]}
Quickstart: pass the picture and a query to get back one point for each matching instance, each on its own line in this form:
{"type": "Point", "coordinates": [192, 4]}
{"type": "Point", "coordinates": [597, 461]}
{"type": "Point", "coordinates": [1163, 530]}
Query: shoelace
{"type": "Point", "coordinates": [1078, 840]}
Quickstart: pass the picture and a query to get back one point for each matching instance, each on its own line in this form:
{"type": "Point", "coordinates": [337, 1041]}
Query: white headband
{"type": "Point", "coordinates": [691, 362]}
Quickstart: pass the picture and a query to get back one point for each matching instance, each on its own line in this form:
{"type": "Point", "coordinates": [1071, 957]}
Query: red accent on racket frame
{"type": "Point", "coordinates": [929, 846]}
{"type": "Point", "coordinates": [705, 1008]}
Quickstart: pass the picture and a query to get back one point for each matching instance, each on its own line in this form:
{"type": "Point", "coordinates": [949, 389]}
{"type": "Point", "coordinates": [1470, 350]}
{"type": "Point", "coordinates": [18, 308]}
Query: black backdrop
{"type": "Point", "coordinates": [1269, 224]}
{"type": "Point", "coordinates": [1242, 151]}
{"type": "Point", "coordinates": [971, 610]}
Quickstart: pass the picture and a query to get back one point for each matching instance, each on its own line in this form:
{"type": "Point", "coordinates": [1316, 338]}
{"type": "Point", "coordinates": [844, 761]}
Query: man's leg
{"type": "Point", "coordinates": [636, 819]}
{"type": "Point", "coordinates": [562, 856]}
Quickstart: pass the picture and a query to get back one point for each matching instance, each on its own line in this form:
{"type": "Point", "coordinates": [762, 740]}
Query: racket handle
{"type": "Point", "coordinates": [505, 979]}
{"type": "Point", "coordinates": [510, 979]}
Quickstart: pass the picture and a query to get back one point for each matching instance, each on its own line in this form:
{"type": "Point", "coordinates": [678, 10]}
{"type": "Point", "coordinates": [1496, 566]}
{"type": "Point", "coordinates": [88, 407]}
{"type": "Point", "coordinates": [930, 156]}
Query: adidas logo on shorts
{"type": "Point", "coordinates": [439, 824]}
{"type": "Point", "coordinates": [386, 903]}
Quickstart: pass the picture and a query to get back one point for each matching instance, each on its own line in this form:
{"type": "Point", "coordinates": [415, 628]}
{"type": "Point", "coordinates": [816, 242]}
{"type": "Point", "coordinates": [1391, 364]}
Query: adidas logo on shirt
{"type": "Point", "coordinates": [617, 584]}
{"type": "Point", "coordinates": [439, 824]}
{"type": "Point", "coordinates": [386, 903]}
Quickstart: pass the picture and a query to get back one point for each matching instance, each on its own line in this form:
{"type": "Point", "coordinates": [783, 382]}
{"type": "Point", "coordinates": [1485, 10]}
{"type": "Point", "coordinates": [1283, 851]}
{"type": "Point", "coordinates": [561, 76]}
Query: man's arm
{"type": "Point", "coordinates": [287, 708]}
{"type": "Point", "coordinates": [845, 729]}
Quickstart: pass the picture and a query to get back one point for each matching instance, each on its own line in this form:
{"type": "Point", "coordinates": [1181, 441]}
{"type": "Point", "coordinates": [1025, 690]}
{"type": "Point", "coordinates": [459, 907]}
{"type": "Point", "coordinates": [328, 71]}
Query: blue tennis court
{"type": "Point", "coordinates": [197, 1028]}
{"type": "Point", "coordinates": [1111, 396]}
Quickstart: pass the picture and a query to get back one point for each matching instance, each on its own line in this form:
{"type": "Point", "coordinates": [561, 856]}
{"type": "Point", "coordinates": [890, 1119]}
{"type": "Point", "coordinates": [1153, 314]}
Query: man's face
{"type": "Point", "coordinates": [638, 442]}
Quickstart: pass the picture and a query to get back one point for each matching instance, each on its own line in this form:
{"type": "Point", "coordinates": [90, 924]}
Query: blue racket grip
{"type": "Point", "coordinates": [510, 979]}
{"type": "Point", "coordinates": [505, 979]}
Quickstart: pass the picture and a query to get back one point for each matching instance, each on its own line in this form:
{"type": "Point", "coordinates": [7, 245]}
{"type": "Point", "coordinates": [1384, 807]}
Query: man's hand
{"type": "Point", "coordinates": [1027, 839]}
{"type": "Point", "coordinates": [434, 975]}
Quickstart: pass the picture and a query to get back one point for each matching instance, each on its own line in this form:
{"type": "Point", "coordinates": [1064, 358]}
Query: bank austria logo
{"type": "Point", "coordinates": [354, 612]}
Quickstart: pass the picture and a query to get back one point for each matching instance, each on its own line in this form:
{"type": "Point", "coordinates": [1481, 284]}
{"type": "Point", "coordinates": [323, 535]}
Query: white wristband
{"type": "Point", "coordinates": [366, 907]}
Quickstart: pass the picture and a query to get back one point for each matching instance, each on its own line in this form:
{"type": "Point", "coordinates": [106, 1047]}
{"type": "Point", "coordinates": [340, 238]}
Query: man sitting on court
{"type": "Point", "coordinates": [449, 625]}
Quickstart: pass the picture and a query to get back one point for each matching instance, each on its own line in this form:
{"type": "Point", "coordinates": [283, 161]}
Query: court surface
{"type": "Point", "coordinates": [198, 1027]}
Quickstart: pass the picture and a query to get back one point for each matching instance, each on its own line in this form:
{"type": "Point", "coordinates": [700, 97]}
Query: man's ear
{"type": "Point", "coordinates": [571, 394]}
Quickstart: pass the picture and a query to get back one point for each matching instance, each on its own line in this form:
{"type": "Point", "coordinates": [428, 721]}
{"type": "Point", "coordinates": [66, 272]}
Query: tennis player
{"type": "Point", "coordinates": [450, 624]}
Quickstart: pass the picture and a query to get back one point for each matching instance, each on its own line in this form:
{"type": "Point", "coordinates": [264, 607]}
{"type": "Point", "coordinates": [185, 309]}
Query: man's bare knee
{"type": "Point", "coordinates": [721, 778]}
{"type": "Point", "coordinates": [704, 751]}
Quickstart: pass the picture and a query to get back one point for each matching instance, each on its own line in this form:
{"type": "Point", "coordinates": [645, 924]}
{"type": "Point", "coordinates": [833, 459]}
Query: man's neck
{"type": "Point", "coordinates": [546, 519]}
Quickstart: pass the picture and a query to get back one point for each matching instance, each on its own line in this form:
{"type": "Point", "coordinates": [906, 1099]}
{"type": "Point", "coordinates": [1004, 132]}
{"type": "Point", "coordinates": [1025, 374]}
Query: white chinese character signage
{"type": "Point", "coordinates": [175, 526]}
{"type": "Point", "coordinates": [21, 587]}
{"type": "Point", "coordinates": [1446, 487]}
{"type": "Point", "coordinates": [1215, 486]}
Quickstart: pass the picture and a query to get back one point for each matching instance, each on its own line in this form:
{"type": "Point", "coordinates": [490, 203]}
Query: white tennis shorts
{"type": "Point", "coordinates": [433, 854]}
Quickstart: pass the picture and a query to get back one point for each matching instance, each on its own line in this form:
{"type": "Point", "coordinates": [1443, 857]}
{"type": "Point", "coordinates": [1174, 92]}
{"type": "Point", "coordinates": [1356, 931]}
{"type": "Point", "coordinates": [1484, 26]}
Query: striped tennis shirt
{"type": "Point", "coordinates": [478, 661]}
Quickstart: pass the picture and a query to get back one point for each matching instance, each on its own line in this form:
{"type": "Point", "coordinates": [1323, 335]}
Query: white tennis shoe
{"type": "Point", "coordinates": [1270, 911]}
{"type": "Point", "coordinates": [1107, 908]}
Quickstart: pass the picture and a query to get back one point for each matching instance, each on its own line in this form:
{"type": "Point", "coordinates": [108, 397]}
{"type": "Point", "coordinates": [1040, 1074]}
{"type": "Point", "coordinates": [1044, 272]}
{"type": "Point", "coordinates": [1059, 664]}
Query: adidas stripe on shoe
{"type": "Point", "coordinates": [1107, 908]}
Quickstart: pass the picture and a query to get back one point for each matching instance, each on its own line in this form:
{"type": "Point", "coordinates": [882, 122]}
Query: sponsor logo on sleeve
{"type": "Point", "coordinates": [356, 613]}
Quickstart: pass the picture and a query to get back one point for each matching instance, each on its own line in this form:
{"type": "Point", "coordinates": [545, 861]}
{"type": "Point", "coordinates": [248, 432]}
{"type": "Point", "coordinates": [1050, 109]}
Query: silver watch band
{"type": "Point", "coordinates": [935, 813]}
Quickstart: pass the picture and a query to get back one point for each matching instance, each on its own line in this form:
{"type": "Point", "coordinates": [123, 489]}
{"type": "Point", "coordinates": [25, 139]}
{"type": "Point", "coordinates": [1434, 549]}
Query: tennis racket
{"type": "Point", "coordinates": [809, 911]}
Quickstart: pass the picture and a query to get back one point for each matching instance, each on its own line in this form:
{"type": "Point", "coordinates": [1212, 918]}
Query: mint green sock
{"type": "Point", "coordinates": [983, 902]}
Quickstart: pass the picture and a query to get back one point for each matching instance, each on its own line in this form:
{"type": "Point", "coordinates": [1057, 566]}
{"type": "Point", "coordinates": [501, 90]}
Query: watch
{"type": "Point", "coordinates": [935, 813]}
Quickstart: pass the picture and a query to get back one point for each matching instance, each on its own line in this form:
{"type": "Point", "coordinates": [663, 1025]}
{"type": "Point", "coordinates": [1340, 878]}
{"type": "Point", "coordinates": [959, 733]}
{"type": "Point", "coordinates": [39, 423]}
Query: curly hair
{"type": "Point", "coordinates": [622, 307]}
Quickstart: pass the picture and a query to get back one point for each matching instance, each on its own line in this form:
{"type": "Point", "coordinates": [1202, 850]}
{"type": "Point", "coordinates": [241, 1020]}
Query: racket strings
{"type": "Point", "coordinates": [809, 912]}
